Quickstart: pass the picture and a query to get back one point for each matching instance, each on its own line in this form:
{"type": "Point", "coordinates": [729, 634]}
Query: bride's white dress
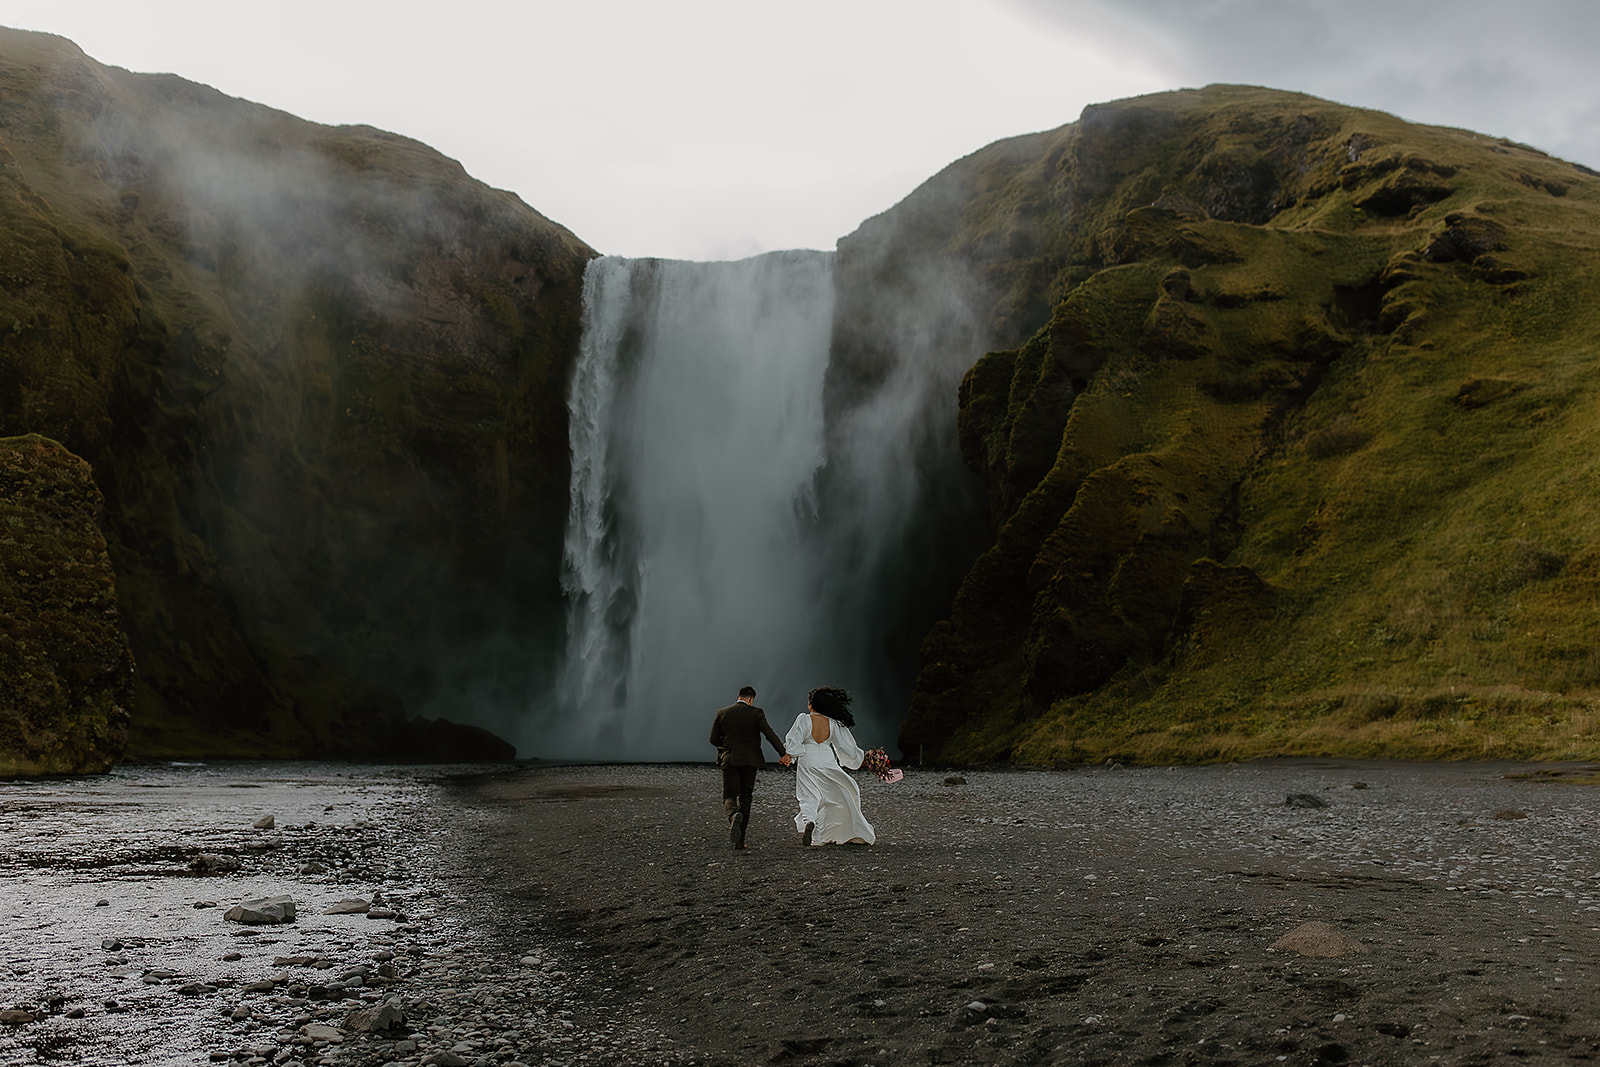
{"type": "Point", "coordinates": [828, 796]}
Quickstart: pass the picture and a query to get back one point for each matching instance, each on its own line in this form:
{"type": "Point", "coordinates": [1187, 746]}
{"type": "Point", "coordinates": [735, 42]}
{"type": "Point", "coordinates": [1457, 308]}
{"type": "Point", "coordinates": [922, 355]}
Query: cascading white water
{"type": "Point", "coordinates": [697, 437]}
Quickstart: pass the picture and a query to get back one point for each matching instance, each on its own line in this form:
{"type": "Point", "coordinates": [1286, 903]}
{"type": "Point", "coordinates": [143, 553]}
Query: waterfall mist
{"type": "Point", "coordinates": [743, 512]}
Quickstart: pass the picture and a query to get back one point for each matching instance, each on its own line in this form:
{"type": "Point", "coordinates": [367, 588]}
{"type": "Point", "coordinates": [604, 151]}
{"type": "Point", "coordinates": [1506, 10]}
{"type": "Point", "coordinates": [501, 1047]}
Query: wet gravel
{"type": "Point", "coordinates": [115, 950]}
{"type": "Point", "coordinates": [564, 915]}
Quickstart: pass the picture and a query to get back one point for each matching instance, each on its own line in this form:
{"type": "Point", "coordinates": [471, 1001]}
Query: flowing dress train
{"type": "Point", "coordinates": [828, 795]}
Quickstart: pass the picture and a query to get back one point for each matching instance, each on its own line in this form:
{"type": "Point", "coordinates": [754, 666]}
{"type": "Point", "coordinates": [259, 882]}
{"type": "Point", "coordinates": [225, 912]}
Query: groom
{"type": "Point", "coordinates": [737, 733]}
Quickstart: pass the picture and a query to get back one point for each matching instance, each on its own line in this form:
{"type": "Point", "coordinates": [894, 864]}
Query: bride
{"type": "Point", "coordinates": [825, 751]}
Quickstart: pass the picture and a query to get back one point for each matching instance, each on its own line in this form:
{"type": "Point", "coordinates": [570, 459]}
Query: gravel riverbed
{"type": "Point", "coordinates": [596, 914]}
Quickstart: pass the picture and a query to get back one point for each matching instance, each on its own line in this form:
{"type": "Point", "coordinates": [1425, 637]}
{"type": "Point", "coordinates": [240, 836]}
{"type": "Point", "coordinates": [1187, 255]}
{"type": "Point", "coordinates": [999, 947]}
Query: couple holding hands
{"type": "Point", "coordinates": [821, 749]}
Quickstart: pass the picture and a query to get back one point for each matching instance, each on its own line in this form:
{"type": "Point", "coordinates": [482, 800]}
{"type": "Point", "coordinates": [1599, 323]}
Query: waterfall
{"type": "Point", "coordinates": [696, 426]}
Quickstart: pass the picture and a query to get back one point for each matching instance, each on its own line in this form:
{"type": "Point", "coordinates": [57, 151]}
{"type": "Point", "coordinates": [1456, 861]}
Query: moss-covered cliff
{"type": "Point", "coordinates": [1302, 459]}
{"type": "Point", "coordinates": [319, 376]}
{"type": "Point", "coordinates": [66, 675]}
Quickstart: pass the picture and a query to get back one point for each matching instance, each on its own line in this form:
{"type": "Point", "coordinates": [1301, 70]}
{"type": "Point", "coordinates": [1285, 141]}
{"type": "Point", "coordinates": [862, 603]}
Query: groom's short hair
{"type": "Point", "coordinates": [748, 691]}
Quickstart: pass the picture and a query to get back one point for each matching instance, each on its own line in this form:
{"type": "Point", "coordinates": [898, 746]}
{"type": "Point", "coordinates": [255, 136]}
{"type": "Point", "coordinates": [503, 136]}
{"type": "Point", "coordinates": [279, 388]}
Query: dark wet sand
{"type": "Point", "coordinates": [1084, 916]}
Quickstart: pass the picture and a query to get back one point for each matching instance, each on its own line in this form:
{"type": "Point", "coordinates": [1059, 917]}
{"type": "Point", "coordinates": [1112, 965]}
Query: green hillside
{"type": "Point", "coordinates": [1304, 461]}
{"type": "Point", "coordinates": [319, 376]}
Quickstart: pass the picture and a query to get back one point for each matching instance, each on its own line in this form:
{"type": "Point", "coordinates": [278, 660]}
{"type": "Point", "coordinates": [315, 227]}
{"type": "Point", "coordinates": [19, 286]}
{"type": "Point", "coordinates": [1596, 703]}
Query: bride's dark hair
{"type": "Point", "coordinates": [833, 702]}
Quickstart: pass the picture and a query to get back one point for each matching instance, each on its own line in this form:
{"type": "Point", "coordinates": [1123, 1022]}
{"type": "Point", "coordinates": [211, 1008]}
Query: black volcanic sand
{"type": "Point", "coordinates": [596, 915]}
{"type": "Point", "coordinates": [1099, 915]}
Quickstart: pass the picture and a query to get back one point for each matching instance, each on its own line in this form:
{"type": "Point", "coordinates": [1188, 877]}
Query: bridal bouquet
{"type": "Point", "coordinates": [876, 760]}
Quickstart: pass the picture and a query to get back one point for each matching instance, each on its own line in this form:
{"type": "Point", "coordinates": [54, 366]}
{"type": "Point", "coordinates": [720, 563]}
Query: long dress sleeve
{"type": "Point", "coordinates": [844, 744]}
{"type": "Point", "coordinates": [798, 732]}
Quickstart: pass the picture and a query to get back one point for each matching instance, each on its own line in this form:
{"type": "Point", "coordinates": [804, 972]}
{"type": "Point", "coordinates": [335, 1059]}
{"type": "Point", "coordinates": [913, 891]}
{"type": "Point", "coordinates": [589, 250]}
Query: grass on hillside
{"type": "Point", "coordinates": [1426, 515]}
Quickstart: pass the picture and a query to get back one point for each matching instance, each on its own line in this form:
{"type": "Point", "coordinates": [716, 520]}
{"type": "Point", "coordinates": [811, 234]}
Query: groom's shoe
{"type": "Point", "coordinates": [736, 830]}
{"type": "Point", "coordinates": [805, 838]}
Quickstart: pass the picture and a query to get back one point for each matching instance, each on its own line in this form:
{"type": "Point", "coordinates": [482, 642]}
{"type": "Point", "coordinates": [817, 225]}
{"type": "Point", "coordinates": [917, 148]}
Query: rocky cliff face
{"type": "Point", "coordinates": [319, 376]}
{"type": "Point", "coordinates": [1282, 441]}
{"type": "Point", "coordinates": [66, 675]}
{"type": "Point", "coordinates": [1296, 462]}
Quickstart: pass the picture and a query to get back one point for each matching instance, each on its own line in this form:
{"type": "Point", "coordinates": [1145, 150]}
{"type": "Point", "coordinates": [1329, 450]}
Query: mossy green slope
{"type": "Point", "coordinates": [66, 674]}
{"type": "Point", "coordinates": [319, 374]}
{"type": "Point", "coordinates": [1303, 460]}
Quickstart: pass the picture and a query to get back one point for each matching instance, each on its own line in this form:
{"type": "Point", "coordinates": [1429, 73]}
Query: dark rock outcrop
{"type": "Point", "coordinates": [66, 674]}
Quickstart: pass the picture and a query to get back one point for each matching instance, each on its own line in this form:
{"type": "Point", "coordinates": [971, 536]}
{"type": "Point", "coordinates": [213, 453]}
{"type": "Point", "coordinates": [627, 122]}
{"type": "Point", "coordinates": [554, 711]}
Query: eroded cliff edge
{"type": "Point", "coordinates": [1301, 460]}
{"type": "Point", "coordinates": [318, 374]}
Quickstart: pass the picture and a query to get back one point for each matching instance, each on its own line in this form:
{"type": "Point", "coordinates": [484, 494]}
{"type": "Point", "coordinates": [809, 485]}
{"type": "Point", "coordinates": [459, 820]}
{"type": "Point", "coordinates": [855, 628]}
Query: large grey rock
{"type": "Point", "coordinates": [351, 906]}
{"type": "Point", "coordinates": [1319, 940]}
{"type": "Point", "coordinates": [385, 1016]}
{"type": "Point", "coordinates": [262, 910]}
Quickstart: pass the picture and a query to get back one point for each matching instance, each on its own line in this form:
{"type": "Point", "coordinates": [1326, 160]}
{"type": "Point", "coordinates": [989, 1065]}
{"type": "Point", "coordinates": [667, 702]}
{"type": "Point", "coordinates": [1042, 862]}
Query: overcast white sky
{"type": "Point", "coordinates": [713, 129]}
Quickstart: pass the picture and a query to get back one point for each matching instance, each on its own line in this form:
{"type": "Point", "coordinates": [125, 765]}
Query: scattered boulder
{"type": "Point", "coordinates": [211, 863]}
{"type": "Point", "coordinates": [266, 822]}
{"type": "Point", "coordinates": [352, 906]}
{"type": "Point", "coordinates": [1304, 800]}
{"type": "Point", "coordinates": [322, 1032]}
{"type": "Point", "coordinates": [15, 1017]}
{"type": "Point", "coordinates": [385, 1016]}
{"type": "Point", "coordinates": [262, 910]}
{"type": "Point", "coordinates": [954, 779]}
{"type": "Point", "coordinates": [1508, 814]}
{"type": "Point", "coordinates": [1318, 939]}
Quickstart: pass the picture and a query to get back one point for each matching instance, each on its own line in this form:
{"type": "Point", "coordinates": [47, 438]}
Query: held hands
{"type": "Point", "coordinates": [785, 759]}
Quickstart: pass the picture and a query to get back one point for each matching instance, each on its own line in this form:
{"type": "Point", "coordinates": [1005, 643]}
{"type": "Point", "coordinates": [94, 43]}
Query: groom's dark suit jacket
{"type": "Point", "coordinates": [737, 734]}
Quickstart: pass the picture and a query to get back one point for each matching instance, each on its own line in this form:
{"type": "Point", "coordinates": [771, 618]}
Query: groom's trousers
{"type": "Point", "coordinates": [738, 786]}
